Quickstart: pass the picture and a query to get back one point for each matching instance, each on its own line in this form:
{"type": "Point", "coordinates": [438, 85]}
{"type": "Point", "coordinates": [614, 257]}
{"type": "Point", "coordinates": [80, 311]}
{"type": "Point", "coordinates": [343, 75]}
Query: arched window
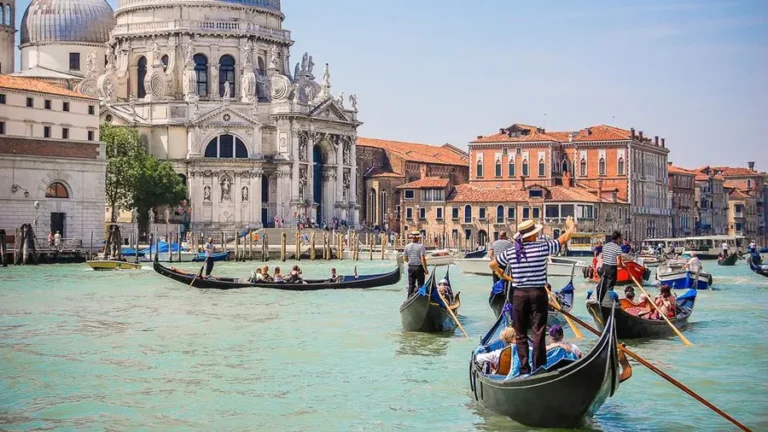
{"type": "Point", "coordinates": [226, 147]}
{"type": "Point", "coordinates": [583, 168]}
{"type": "Point", "coordinates": [479, 173]}
{"type": "Point", "coordinates": [498, 167]}
{"type": "Point", "coordinates": [227, 74]}
{"type": "Point", "coordinates": [165, 62]}
{"type": "Point", "coordinates": [467, 213]}
{"type": "Point", "coordinates": [511, 168]}
{"type": "Point", "coordinates": [262, 70]}
{"type": "Point", "coordinates": [8, 15]}
{"type": "Point", "coordinates": [525, 168]}
{"type": "Point", "coordinates": [141, 74]}
{"type": "Point", "coordinates": [500, 214]}
{"type": "Point", "coordinates": [621, 166]}
{"type": "Point", "coordinates": [201, 70]}
{"type": "Point", "coordinates": [57, 190]}
{"type": "Point", "coordinates": [542, 168]}
{"type": "Point", "coordinates": [601, 167]}
{"type": "Point", "coordinates": [564, 166]}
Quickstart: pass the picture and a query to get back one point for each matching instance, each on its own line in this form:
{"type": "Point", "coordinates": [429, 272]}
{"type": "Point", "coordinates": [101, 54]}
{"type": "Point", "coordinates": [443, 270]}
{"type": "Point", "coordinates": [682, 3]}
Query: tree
{"type": "Point", "coordinates": [124, 159]}
{"type": "Point", "coordinates": [158, 185]}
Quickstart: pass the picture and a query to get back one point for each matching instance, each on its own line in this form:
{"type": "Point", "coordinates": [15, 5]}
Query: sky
{"type": "Point", "coordinates": [445, 71]}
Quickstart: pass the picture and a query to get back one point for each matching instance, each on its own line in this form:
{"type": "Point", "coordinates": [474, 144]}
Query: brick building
{"type": "Point", "coordinates": [598, 158]}
{"type": "Point", "coordinates": [742, 214]}
{"type": "Point", "coordinates": [682, 192]}
{"type": "Point", "coordinates": [711, 200]}
{"type": "Point", "coordinates": [385, 165]}
{"type": "Point", "coordinates": [50, 154]}
{"type": "Point", "coordinates": [749, 182]}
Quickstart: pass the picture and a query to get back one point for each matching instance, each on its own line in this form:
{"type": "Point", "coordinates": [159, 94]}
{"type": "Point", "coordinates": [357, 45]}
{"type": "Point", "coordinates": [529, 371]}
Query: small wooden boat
{"type": "Point", "coordinates": [728, 261]}
{"type": "Point", "coordinates": [762, 270]}
{"type": "Point", "coordinates": [440, 257]}
{"type": "Point", "coordinates": [216, 256]}
{"type": "Point", "coordinates": [424, 311]}
{"type": "Point", "coordinates": [102, 264]}
{"type": "Point", "coordinates": [476, 254]}
{"type": "Point", "coordinates": [498, 299]}
{"type": "Point", "coordinates": [562, 395]}
{"type": "Point", "coordinates": [344, 282]}
{"type": "Point", "coordinates": [680, 278]}
{"type": "Point", "coordinates": [630, 326]}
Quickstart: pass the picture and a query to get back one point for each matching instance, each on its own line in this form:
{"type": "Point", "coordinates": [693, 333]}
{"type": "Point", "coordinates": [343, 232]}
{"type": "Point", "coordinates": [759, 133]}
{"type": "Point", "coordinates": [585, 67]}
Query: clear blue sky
{"type": "Point", "coordinates": [436, 71]}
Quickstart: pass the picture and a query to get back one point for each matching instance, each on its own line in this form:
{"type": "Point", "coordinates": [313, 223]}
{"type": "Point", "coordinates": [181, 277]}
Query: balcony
{"type": "Point", "coordinates": [738, 215]}
{"type": "Point", "coordinates": [201, 26]}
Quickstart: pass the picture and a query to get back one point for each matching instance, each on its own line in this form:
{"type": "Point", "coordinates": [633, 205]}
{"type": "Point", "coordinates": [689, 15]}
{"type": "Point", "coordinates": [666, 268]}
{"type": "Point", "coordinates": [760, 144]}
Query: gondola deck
{"type": "Point", "coordinates": [223, 283]}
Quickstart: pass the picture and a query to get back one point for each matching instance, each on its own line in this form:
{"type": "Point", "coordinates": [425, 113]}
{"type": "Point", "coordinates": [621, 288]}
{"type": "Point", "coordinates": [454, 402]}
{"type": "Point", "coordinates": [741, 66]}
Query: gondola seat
{"type": "Point", "coordinates": [505, 361]}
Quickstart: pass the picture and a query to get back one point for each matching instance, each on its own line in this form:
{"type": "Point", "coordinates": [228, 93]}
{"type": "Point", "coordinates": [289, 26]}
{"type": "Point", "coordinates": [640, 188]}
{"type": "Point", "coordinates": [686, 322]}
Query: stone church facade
{"type": "Point", "coordinates": [209, 86]}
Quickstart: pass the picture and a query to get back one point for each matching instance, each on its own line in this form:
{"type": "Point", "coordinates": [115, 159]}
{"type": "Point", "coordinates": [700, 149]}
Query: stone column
{"type": "Point", "coordinates": [310, 191]}
{"type": "Point", "coordinates": [340, 170]}
{"type": "Point", "coordinates": [284, 193]}
{"type": "Point", "coordinates": [213, 75]}
{"type": "Point", "coordinates": [255, 198]}
{"type": "Point", "coordinates": [294, 137]}
{"type": "Point", "coordinates": [354, 212]}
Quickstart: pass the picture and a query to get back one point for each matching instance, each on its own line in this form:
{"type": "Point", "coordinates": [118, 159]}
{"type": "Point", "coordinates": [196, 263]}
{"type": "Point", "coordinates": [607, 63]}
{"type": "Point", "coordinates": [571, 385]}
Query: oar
{"type": "Point", "coordinates": [448, 308]}
{"type": "Point", "coordinates": [680, 335]}
{"type": "Point", "coordinates": [575, 329]}
{"type": "Point", "coordinates": [199, 273]}
{"type": "Point", "coordinates": [660, 373]}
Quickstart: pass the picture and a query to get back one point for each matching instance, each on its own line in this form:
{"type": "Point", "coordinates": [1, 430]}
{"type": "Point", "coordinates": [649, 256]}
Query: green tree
{"type": "Point", "coordinates": [125, 156]}
{"type": "Point", "coordinates": [158, 185]}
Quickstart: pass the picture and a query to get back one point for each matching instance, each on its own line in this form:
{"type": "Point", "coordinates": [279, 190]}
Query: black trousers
{"type": "Point", "coordinates": [530, 308]}
{"type": "Point", "coordinates": [208, 266]}
{"type": "Point", "coordinates": [415, 278]}
{"type": "Point", "coordinates": [607, 281]}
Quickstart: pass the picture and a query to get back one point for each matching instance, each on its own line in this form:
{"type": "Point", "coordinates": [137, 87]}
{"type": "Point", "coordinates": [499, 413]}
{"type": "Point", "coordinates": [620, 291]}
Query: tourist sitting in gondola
{"type": "Point", "coordinates": [256, 276]}
{"type": "Point", "coordinates": [295, 275]}
{"type": "Point", "coordinates": [265, 276]}
{"type": "Point", "coordinates": [444, 288]}
{"type": "Point", "coordinates": [558, 341]}
{"type": "Point", "coordinates": [637, 308]}
{"type": "Point", "coordinates": [490, 360]}
{"type": "Point", "coordinates": [666, 302]}
{"type": "Point", "coordinates": [334, 277]}
{"type": "Point", "coordinates": [278, 277]}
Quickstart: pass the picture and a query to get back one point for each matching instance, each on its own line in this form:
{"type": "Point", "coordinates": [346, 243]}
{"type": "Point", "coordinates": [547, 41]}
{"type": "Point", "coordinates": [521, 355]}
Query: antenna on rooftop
{"type": "Point", "coordinates": [545, 121]}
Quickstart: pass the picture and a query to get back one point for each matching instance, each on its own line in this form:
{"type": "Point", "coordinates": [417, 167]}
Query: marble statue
{"type": "Point", "coordinates": [340, 100]}
{"type": "Point", "coordinates": [190, 53]}
{"type": "Point", "coordinates": [327, 76]}
{"type": "Point", "coordinates": [244, 194]}
{"type": "Point", "coordinates": [309, 92]}
{"type": "Point", "coordinates": [207, 194]}
{"type": "Point", "coordinates": [346, 153]}
{"type": "Point", "coordinates": [248, 85]}
{"type": "Point", "coordinates": [155, 52]}
{"type": "Point", "coordinates": [353, 101]}
{"type": "Point", "coordinates": [227, 90]}
{"type": "Point", "coordinates": [310, 65]}
{"type": "Point", "coordinates": [302, 149]}
{"type": "Point", "coordinates": [248, 54]}
{"type": "Point", "coordinates": [226, 189]}
{"type": "Point", "coordinates": [296, 71]}
{"type": "Point", "coordinates": [305, 61]}
{"type": "Point", "coordinates": [190, 82]}
{"type": "Point", "coordinates": [275, 52]}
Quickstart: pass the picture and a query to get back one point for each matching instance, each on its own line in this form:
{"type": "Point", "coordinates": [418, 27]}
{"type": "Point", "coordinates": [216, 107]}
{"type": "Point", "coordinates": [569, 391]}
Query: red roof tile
{"type": "Point", "coordinates": [737, 194]}
{"type": "Point", "coordinates": [37, 86]}
{"type": "Point", "coordinates": [677, 170]}
{"type": "Point", "coordinates": [735, 172]}
{"type": "Point", "coordinates": [592, 133]}
{"type": "Point", "coordinates": [377, 172]}
{"type": "Point", "coordinates": [602, 133]}
{"type": "Point", "coordinates": [469, 193]}
{"type": "Point", "coordinates": [427, 182]}
{"type": "Point", "coordinates": [418, 152]}
{"type": "Point", "coordinates": [528, 134]}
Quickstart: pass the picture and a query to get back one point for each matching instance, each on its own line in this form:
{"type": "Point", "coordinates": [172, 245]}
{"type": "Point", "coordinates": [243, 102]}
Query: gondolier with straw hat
{"type": "Point", "coordinates": [526, 269]}
{"type": "Point", "coordinates": [416, 256]}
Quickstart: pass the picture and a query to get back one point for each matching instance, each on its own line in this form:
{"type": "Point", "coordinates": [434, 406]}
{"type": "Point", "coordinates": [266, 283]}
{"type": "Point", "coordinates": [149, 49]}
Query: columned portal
{"type": "Point", "coordinates": [317, 180]}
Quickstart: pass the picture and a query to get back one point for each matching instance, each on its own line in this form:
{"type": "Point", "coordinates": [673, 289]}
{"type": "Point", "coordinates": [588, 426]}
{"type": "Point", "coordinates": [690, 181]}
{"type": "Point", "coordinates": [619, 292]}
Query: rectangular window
{"type": "Point", "coordinates": [455, 234]}
{"type": "Point", "coordinates": [542, 168]}
{"type": "Point", "coordinates": [552, 211]}
{"type": "Point", "coordinates": [498, 169]}
{"type": "Point", "coordinates": [30, 102]}
{"type": "Point", "coordinates": [409, 213]}
{"type": "Point", "coordinates": [479, 169]}
{"type": "Point", "coordinates": [409, 194]}
{"type": "Point", "coordinates": [2, 128]}
{"type": "Point", "coordinates": [64, 133]}
{"type": "Point", "coordinates": [65, 106]}
{"type": "Point", "coordinates": [481, 216]}
{"type": "Point", "coordinates": [536, 212]}
{"type": "Point", "coordinates": [90, 135]}
{"type": "Point", "coordinates": [91, 110]}
{"type": "Point", "coordinates": [525, 168]}
{"type": "Point", "coordinates": [535, 193]}
{"type": "Point", "coordinates": [74, 61]}
{"type": "Point", "coordinates": [510, 213]}
{"type": "Point", "coordinates": [511, 168]}
{"type": "Point", "coordinates": [47, 104]}
{"type": "Point", "coordinates": [566, 210]}
{"type": "Point", "coordinates": [432, 195]}
{"type": "Point", "coordinates": [397, 212]}
{"type": "Point", "coordinates": [455, 213]}
{"type": "Point", "coordinates": [422, 213]}
{"type": "Point", "coordinates": [46, 131]}
{"type": "Point", "coordinates": [2, 99]}
{"type": "Point", "coordinates": [526, 213]}
{"type": "Point", "coordinates": [467, 234]}
{"type": "Point", "coordinates": [439, 213]}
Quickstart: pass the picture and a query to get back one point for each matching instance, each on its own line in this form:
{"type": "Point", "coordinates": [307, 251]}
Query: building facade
{"type": "Point", "coordinates": [51, 159]}
{"type": "Point", "coordinates": [7, 36]}
{"type": "Point", "coordinates": [742, 214]}
{"type": "Point", "coordinates": [385, 165]}
{"type": "Point", "coordinates": [711, 201]}
{"type": "Point", "coordinates": [749, 182]}
{"type": "Point", "coordinates": [682, 193]}
{"type": "Point", "coordinates": [601, 159]}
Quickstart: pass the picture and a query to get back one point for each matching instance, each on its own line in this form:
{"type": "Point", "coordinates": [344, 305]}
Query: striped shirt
{"type": "Point", "coordinates": [611, 252]}
{"type": "Point", "coordinates": [500, 246]}
{"type": "Point", "coordinates": [531, 270]}
{"type": "Point", "coordinates": [413, 253]}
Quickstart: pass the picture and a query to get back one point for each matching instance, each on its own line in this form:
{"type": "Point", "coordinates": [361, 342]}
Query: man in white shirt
{"type": "Point", "coordinates": [725, 248]}
{"type": "Point", "coordinates": [693, 264]}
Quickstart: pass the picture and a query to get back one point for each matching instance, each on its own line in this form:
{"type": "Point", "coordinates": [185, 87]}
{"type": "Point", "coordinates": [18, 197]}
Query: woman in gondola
{"type": "Point", "coordinates": [265, 276]}
{"type": "Point", "coordinates": [278, 277]}
{"type": "Point", "coordinates": [491, 359]}
{"type": "Point", "coordinates": [558, 341]}
{"type": "Point", "coordinates": [667, 303]}
{"type": "Point", "coordinates": [444, 288]}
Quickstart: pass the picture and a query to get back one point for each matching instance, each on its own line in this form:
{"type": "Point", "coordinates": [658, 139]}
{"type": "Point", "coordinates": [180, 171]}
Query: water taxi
{"type": "Point", "coordinates": [710, 247]}
{"type": "Point", "coordinates": [583, 244]}
{"type": "Point", "coordinates": [669, 245]}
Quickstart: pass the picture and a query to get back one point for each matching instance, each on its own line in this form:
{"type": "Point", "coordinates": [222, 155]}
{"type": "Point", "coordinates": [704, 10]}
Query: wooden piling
{"type": "Point", "coordinates": [371, 241]}
{"type": "Point", "coordinates": [312, 247]}
{"type": "Point", "coordinates": [383, 242]}
{"type": "Point", "coordinates": [340, 247]}
{"type": "Point", "coordinates": [298, 246]}
{"type": "Point", "coordinates": [250, 245]}
{"type": "Point", "coordinates": [223, 243]}
{"type": "Point", "coordinates": [178, 236]}
{"type": "Point", "coordinates": [283, 241]}
{"type": "Point", "coordinates": [265, 248]}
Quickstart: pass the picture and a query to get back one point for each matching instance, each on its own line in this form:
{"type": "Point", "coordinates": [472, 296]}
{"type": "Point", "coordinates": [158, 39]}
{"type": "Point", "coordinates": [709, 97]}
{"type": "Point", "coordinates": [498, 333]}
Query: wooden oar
{"type": "Point", "coordinates": [553, 298]}
{"type": "Point", "coordinates": [660, 373]}
{"type": "Point", "coordinates": [448, 306]}
{"type": "Point", "coordinates": [199, 273]}
{"type": "Point", "coordinates": [679, 334]}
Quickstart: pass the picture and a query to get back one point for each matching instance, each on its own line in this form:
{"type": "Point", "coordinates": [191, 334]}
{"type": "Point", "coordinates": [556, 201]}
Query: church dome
{"type": "Point", "coordinates": [88, 21]}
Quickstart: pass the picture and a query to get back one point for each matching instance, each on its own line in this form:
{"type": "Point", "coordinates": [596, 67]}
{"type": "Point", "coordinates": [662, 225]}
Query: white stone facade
{"type": "Point", "coordinates": [7, 35]}
{"type": "Point", "coordinates": [209, 86]}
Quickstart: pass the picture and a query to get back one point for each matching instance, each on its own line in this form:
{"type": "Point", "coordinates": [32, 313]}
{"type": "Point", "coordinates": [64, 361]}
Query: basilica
{"type": "Point", "coordinates": [211, 88]}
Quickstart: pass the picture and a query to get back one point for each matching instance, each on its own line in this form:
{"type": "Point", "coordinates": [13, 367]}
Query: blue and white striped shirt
{"type": "Point", "coordinates": [611, 252]}
{"type": "Point", "coordinates": [531, 270]}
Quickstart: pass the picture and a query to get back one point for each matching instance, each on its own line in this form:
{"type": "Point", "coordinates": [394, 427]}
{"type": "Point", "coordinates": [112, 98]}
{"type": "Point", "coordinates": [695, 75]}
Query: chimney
{"type": "Point", "coordinates": [570, 137]}
{"type": "Point", "coordinates": [663, 143]}
{"type": "Point", "coordinates": [751, 166]}
{"type": "Point", "coordinates": [479, 136]}
{"type": "Point", "coordinates": [656, 140]}
{"type": "Point", "coordinates": [640, 134]}
{"type": "Point", "coordinates": [502, 131]}
{"type": "Point", "coordinates": [669, 163]}
{"type": "Point", "coordinates": [632, 130]}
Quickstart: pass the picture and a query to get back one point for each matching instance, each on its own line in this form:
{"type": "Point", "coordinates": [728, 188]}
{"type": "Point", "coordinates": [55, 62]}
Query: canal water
{"type": "Point", "coordinates": [81, 350]}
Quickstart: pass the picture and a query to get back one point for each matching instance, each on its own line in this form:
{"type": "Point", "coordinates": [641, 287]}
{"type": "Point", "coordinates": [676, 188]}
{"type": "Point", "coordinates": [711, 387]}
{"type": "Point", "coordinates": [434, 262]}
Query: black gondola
{"type": "Point", "coordinates": [422, 313]}
{"type": "Point", "coordinates": [762, 270]}
{"type": "Point", "coordinates": [629, 326]}
{"type": "Point", "coordinates": [560, 396]}
{"type": "Point", "coordinates": [729, 260]}
{"type": "Point", "coordinates": [345, 282]}
{"type": "Point", "coordinates": [476, 254]}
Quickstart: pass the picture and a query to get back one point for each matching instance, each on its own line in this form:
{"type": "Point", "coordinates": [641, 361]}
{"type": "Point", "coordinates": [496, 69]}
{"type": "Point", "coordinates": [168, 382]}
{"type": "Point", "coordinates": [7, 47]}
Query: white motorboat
{"type": "Point", "coordinates": [678, 277]}
{"type": "Point", "coordinates": [649, 260]}
{"type": "Point", "coordinates": [478, 266]}
{"type": "Point", "coordinates": [440, 257]}
{"type": "Point", "coordinates": [557, 266]}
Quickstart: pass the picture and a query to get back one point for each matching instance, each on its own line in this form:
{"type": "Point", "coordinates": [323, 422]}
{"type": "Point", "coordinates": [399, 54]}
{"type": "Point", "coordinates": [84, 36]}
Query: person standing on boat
{"type": "Point", "coordinates": [611, 262]}
{"type": "Point", "coordinates": [526, 263]}
{"type": "Point", "coordinates": [209, 256]}
{"type": "Point", "coordinates": [693, 265]}
{"type": "Point", "coordinates": [725, 249]}
{"type": "Point", "coordinates": [416, 256]}
{"type": "Point", "coordinates": [497, 248]}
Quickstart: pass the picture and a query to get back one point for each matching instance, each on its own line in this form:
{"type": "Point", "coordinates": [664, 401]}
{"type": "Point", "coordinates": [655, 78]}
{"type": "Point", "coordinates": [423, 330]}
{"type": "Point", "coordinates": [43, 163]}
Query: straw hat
{"type": "Point", "coordinates": [415, 234]}
{"type": "Point", "coordinates": [528, 228]}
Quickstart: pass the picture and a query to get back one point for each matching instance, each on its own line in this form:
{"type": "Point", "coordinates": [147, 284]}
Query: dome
{"type": "Point", "coordinates": [87, 21]}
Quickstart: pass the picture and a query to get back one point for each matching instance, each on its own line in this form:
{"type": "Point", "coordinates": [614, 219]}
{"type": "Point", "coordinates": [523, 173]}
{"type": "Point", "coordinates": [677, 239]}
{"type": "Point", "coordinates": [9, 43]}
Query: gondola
{"type": "Point", "coordinates": [476, 254]}
{"type": "Point", "coordinates": [424, 311]}
{"type": "Point", "coordinates": [762, 270]}
{"type": "Point", "coordinates": [498, 298]}
{"type": "Point", "coordinates": [216, 256]}
{"type": "Point", "coordinates": [728, 261]}
{"type": "Point", "coordinates": [345, 282]}
{"type": "Point", "coordinates": [629, 326]}
{"type": "Point", "coordinates": [562, 395]}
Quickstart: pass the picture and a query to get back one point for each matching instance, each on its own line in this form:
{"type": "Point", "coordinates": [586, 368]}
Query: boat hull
{"type": "Point", "coordinates": [684, 279]}
{"type": "Point", "coordinates": [419, 313]}
{"type": "Point", "coordinates": [629, 326]}
{"type": "Point", "coordinates": [477, 266]}
{"type": "Point", "coordinates": [102, 265]}
{"type": "Point", "coordinates": [439, 258]}
{"type": "Point", "coordinates": [731, 260]}
{"type": "Point", "coordinates": [216, 256]}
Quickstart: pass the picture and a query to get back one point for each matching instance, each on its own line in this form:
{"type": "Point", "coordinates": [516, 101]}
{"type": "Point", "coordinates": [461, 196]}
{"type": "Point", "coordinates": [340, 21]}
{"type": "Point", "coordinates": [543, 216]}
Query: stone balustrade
{"type": "Point", "coordinates": [264, 4]}
{"type": "Point", "coordinates": [200, 26]}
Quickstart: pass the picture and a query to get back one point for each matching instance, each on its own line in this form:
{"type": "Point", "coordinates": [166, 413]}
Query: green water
{"type": "Point", "coordinates": [81, 350]}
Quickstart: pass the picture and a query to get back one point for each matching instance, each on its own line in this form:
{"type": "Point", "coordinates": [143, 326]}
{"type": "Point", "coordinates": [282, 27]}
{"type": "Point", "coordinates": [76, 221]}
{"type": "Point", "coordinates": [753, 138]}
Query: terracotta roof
{"type": "Point", "coordinates": [592, 133]}
{"type": "Point", "coordinates": [535, 134]}
{"type": "Point", "coordinates": [730, 185]}
{"type": "Point", "coordinates": [735, 172]}
{"type": "Point", "coordinates": [417, 152]}
{"type": "Point", "coordinates": [377, 172]}
{"type": "Point", "coordinates": [602, 133]}
{"type": "Point", "coordinates": [426, 182]}
{"type": "Point", "coordinates": [33, 85]}
{"type": "Point", "coordinates": [737, 194]}
{"type": "Point", "coordinates": [677, 170]}
{"type": "Point", "coordinates": [469, 193]}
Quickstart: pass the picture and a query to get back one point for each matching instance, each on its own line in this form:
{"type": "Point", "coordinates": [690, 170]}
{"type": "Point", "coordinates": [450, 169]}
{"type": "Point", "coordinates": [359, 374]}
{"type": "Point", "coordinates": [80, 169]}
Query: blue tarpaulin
{"type": "Point", "coordinates": [160, 246]}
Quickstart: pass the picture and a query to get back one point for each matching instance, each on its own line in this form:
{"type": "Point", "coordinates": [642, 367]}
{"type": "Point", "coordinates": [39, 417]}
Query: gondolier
{"type": "Point", "coordinates": [209, 257]}
{"type": "Point", "coordinates": [526, 262]}
{"type": "Point", "coordinates": [416, 256]}
{"type": "Point", "coordinates": [497, 248]}
{"type": "Point", "coordinates": [611, 262]}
